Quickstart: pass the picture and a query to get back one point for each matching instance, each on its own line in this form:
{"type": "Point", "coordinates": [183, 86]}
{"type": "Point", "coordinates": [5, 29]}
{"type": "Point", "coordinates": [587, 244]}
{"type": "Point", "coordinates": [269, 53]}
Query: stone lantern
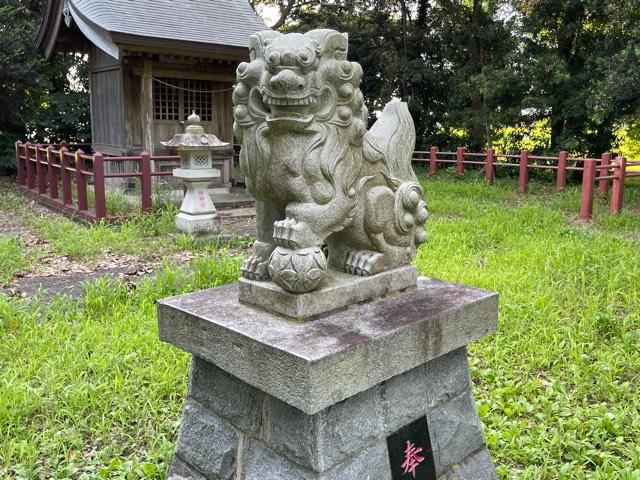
{"type": "Point", "coordinates": [197, 212]}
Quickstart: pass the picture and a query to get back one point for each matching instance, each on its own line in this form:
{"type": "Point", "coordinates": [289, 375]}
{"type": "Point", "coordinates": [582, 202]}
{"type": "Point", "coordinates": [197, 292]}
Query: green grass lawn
{"type": "Point", "coordinates": [88, 391]}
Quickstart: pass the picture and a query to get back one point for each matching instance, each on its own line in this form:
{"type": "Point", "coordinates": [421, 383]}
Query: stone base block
{"type": "Point", "coordinates": [203, 224]}
{"type": "Point", "coordinates": [337, 290]}
{"type": "Point", "coordinates": [231, 430]}
{"type": "Point", "coordinates": [350, 395]}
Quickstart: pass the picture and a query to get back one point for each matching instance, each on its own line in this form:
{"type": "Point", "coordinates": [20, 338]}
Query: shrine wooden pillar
{"type": "Point", "coordinates": [146, 105]}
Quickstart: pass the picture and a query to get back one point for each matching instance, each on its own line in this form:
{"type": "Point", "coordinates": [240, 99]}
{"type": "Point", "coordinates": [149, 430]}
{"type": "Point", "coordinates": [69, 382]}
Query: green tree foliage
{"type": "Point", "coordinates": [39, 100]}
{"type": "Point", "coordinates": [450, 60]}
{"type": "Point", "coordinates": [486, 67]}
{"type": "Point", "coordinates": [581, 60]}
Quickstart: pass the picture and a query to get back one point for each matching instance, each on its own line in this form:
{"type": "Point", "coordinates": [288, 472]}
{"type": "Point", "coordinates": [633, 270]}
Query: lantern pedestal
{"type": "Point", "coordinates": [197, 213]}
{"type": "Point", "coordinates": [334, 398]}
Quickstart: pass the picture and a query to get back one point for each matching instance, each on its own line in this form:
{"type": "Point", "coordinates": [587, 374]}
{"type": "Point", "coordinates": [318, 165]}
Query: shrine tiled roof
{"type": "Point", "coordinates": [112, 22]}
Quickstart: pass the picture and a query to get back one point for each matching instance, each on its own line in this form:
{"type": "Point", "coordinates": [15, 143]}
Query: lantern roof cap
{"type": "Point", "coordinates": [195, 138]}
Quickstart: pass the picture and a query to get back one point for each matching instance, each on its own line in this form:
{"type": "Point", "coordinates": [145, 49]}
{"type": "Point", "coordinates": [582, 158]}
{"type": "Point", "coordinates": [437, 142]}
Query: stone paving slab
{"type": "Point", "coordinates": [72, 285]}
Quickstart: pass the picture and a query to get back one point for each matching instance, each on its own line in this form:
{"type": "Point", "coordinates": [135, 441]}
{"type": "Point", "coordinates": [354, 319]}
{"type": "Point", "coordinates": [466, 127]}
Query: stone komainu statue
{"type": "Point", "coordinates": [327, 190]}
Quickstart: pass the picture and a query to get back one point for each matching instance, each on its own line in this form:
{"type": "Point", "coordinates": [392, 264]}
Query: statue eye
{"type": "Point", "coordinates": [241, 71]}
{"type": "Point", "coordinates": [273, 58]}
{"type": "Point", "coordinates": [305, 58]}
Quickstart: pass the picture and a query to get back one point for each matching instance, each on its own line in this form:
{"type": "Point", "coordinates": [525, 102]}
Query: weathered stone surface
{"type": "Point", "coordinates": [312, 365]}
{"type": "Point", "coordinates": [403, 399]}
{"type": "Point", "coordinates": [337, 290]}
{"type": "Point", "coordinates": [370, 464]}
{"type": "Point", "coordinates": [455, 431]}
{"type": "Point", "coordinates": [263, 464]}
{"type": "Point", "coordinates": [476, 467]}
{"type": "Point", "coordinates": [447, 376]}
{"type": "Point", "coordinates": [283, 442]}
{"type": "Point", "coordinates": [198, 224]}
{"type": "Point", "coordinates": [292, 433]}
{"type": "Point", "coordinates": [181, 471]}
{"type": "Point", "coordinates": [408, 396]}
{"type": "Point", "coordinates": [329, 437]}
{"type": "Point", "coordinates": [318, 176]}
{"type": "Point", "coordinates": [206, 443]}
{"type": "Point", "coordinates": [234, 400]}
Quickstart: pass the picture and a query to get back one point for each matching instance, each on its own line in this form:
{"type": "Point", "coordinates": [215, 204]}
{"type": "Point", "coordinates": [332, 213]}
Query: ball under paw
{"type": "Point", "coordinates": [297, 271]}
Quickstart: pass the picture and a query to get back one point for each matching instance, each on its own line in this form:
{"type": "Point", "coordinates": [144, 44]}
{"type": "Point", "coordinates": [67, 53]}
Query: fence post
{"type": "Point", "coordinates": [523, 177]}
{"type": "Point", "coordinates": [488, 169]}
{"type": "Point", "coordinates": [40, 170]}
{"type": "Point", "coordinates": [98, 185]}
{"type": "Point", "coordinates": [603, 185]}
{"type": "Point", "coordinates": [433, 157]}
{"type": "Point", "coordinates": [66, 176]}
{"type": "Point", "coordinates": [31, 177]}
{"type": "Point", "coordinates": [81, 181]}
{"type": "Point", "coordinates": [588, 181]}
{"type": "Point", "coordinates": [561, 177]}
{"type": "Point", "coordinates": [460, 160]}
{"type": "Point", "coordinates": [21, 171]}
{"type": "Point", "coordinates": [145, 184]}
{"type": "Point", "coordinates": [617, 189]}
{"type": "Point", "coordinates": [53, 176]}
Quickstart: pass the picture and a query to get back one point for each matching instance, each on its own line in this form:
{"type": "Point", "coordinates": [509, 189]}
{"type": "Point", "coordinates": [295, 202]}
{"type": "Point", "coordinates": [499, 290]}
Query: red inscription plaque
{"type": "Point", "coordinates": [410, 452]}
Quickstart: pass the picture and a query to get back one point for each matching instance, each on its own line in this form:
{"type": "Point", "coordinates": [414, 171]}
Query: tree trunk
{"type": "Point", "coordinates": [478, 114]}
{"type": "Point", "coordinates": [285, 10]}
{"type": "Point", "coordinates": [405, 60]}
{"type": "Point", "coordinates": [557, 132]}
{"type": "Point", "coordinates": [421, 18]}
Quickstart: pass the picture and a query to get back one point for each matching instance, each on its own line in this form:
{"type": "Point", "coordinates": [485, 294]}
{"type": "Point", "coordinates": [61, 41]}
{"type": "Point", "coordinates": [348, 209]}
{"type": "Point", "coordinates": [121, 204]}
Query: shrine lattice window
{"type": "Point", "coordinates": [175, 99]}
{"type": "Point", "coordinates": [197, 96]}
{"type": "Point", "coordinates": [166, 100]}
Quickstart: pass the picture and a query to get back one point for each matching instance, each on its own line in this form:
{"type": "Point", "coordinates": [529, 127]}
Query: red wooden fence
{"type": "Point", "coordinates": [43, 169]}
{"type": "Point", "coordinates": [602, 171]}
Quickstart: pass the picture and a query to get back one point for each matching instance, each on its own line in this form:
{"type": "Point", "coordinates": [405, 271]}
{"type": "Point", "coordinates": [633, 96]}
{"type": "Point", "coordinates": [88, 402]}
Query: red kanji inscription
{"type": "Point", "coordinates": [411, 459]}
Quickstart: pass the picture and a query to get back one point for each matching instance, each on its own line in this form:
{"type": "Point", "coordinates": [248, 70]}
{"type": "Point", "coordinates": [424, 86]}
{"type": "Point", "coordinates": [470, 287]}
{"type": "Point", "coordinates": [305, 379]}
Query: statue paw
{"type": "Point", "coordinates": [294, 235]}
{"type": "Point", "coordinates": [255, 268]}
{"type": "Point", "coordinates": [361, 262]}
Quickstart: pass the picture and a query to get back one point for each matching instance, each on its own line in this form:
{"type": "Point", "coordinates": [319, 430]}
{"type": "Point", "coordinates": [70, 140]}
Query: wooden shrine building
{"type": "Point", "coordinates": [152, 62]}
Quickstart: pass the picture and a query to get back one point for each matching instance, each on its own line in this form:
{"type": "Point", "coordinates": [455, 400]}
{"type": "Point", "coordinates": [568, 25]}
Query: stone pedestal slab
{"type": "Point", "coordinates": [337, 290]}
{"type": "Point", "coordinates": [201, 224]}
{"type": "Point", "coordinates": [334, 398]}
{"type": "Point", "coordinates": [197, 214]}
{"type": "Point", "coordinates": [312, 365]}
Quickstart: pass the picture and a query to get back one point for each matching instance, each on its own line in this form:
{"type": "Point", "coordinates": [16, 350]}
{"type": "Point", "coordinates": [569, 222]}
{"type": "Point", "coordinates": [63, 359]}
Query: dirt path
{"type": "Point", "coordinates": [53, 274]}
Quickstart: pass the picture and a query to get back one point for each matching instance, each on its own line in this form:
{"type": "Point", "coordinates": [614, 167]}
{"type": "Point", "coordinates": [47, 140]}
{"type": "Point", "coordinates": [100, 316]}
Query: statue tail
{"type": "Point", "coordinates": [391, 141]}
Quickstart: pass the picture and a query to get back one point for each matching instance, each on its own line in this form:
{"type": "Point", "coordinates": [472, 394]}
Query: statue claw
{"type": "Point", "coordinates": [255, 268]}
{"type": "Point", "coordinates": [361, 263]}
{"type": "Point", "coordinates": [291, 234]}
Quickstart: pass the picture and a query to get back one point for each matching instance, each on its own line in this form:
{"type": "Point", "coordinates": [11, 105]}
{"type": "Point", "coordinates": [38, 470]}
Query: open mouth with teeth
{"type": "Point", "coordinates": [290, 106]}
{"type": "Point", "coordinates": [288, 101]}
